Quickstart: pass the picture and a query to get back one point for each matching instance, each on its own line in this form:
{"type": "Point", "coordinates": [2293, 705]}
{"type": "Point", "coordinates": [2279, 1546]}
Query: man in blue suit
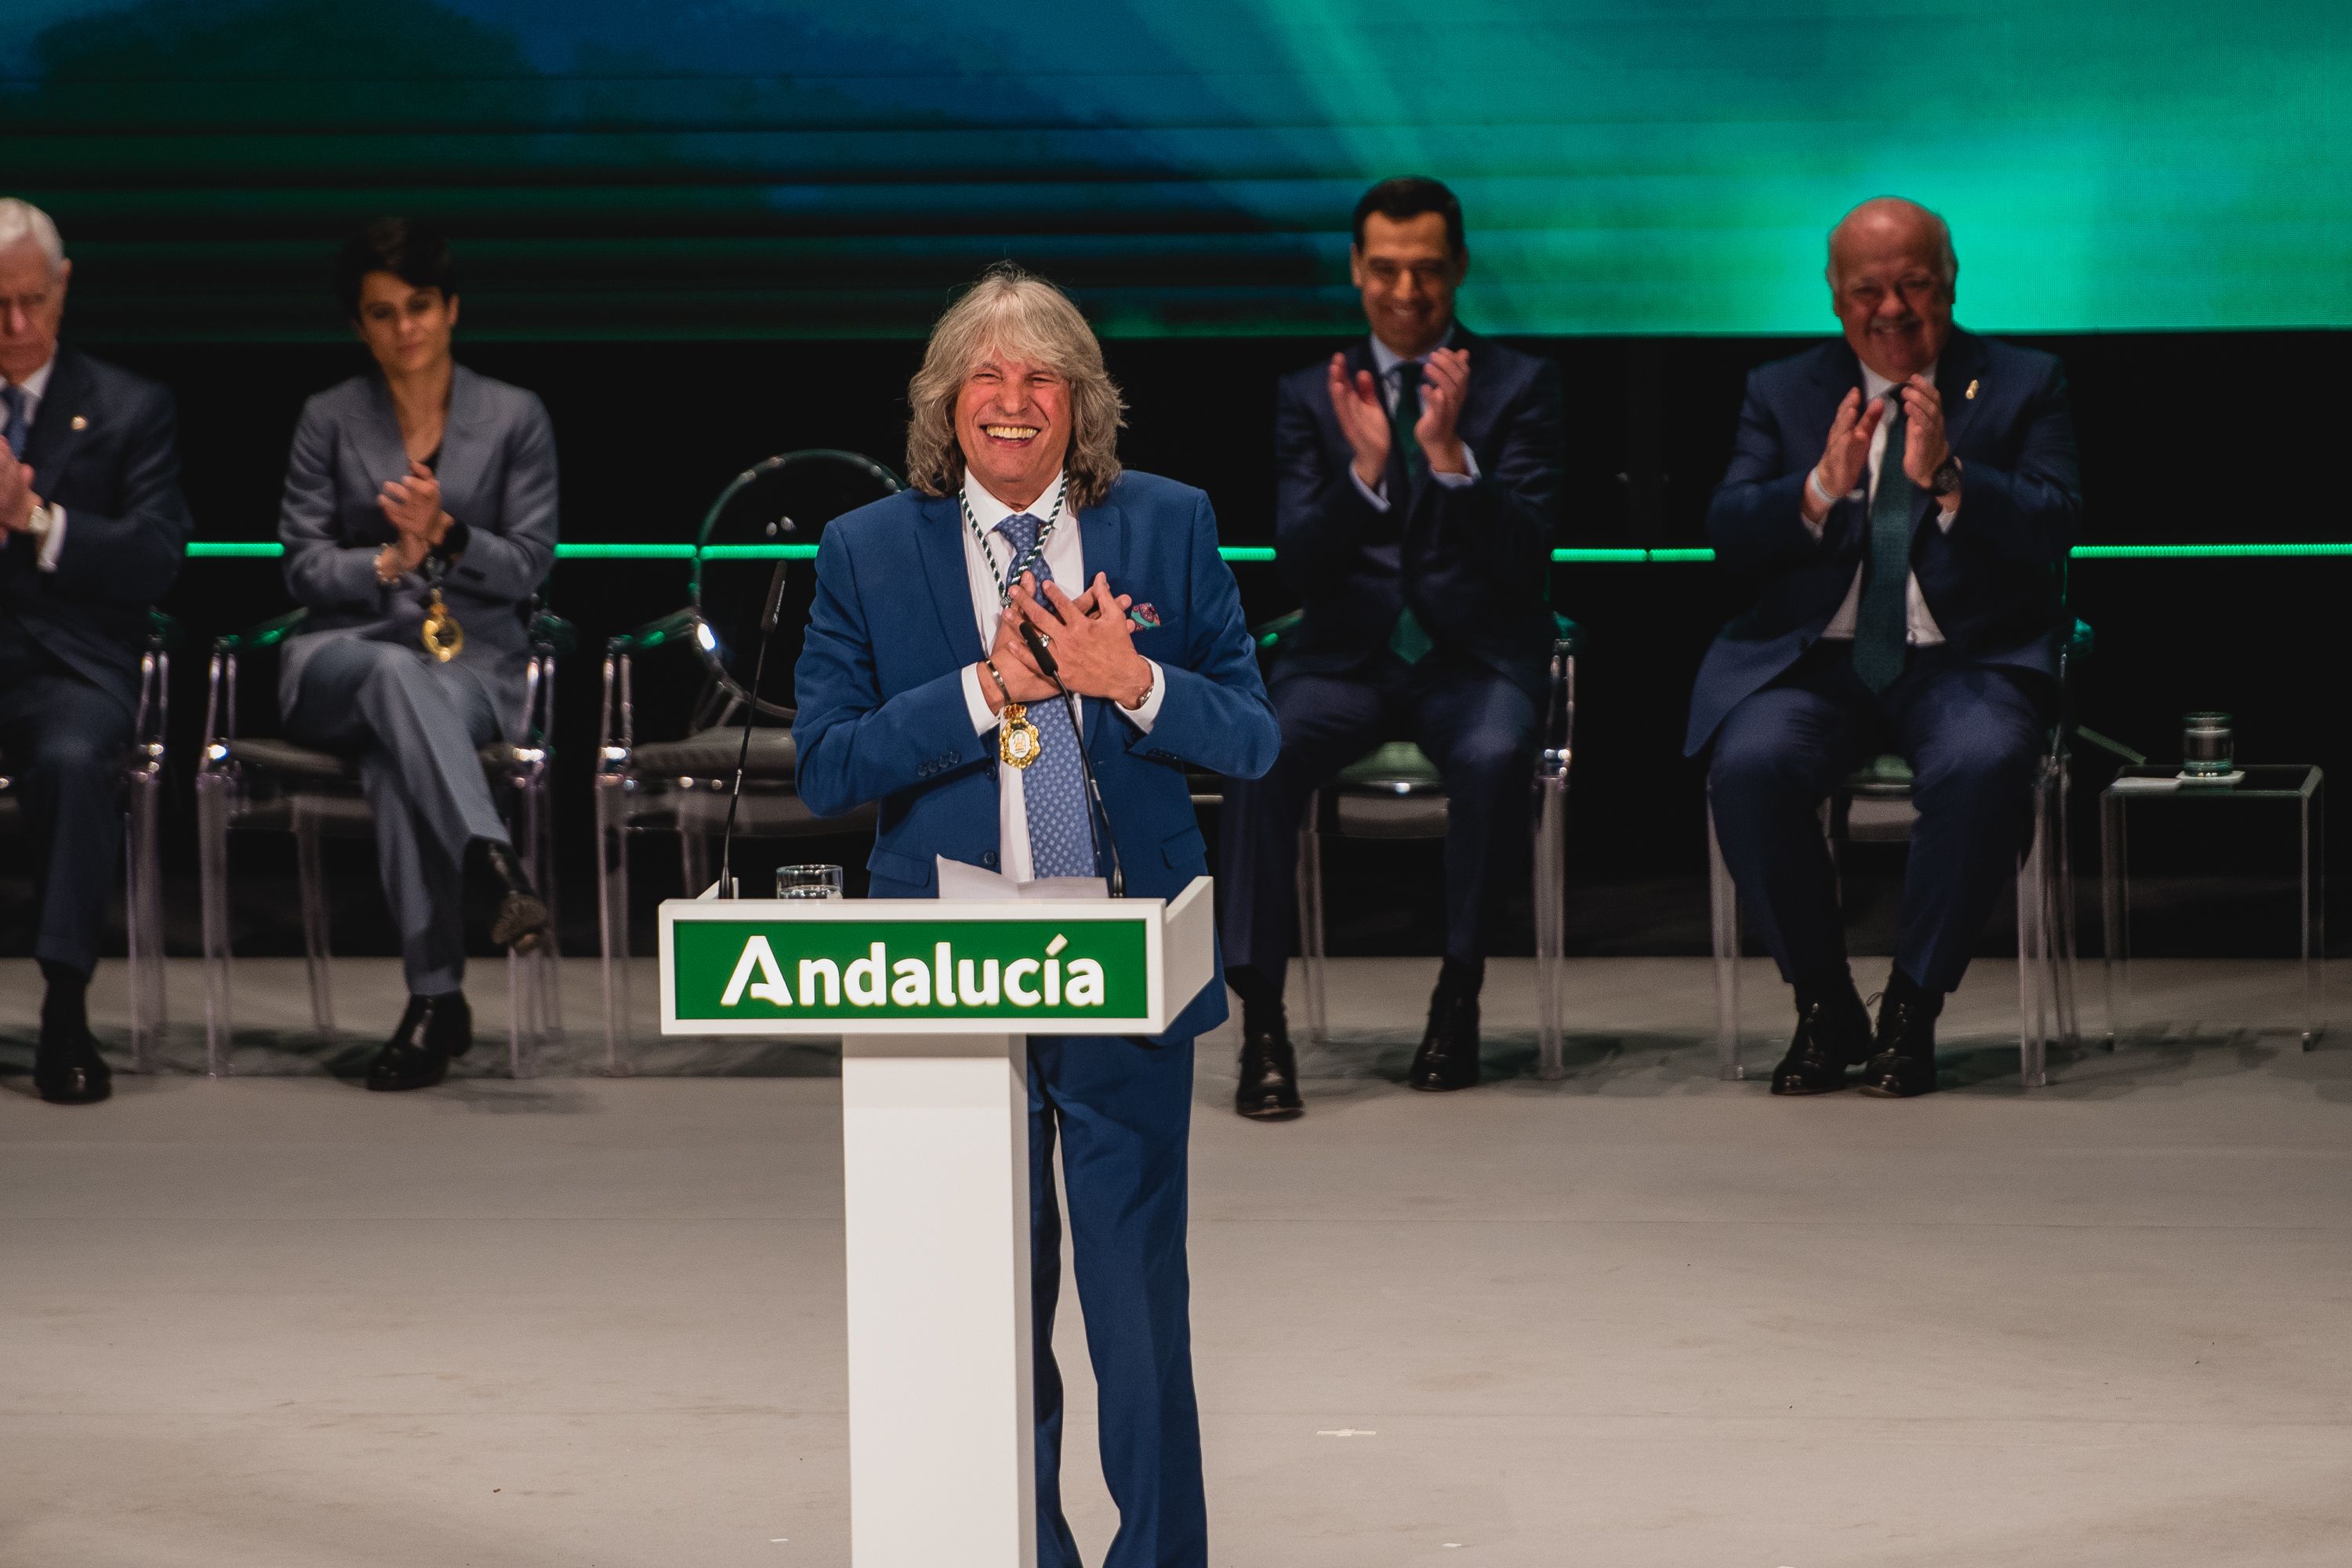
{"type": "Point", "coordinates": [1418, 488]}
{"type": "Point", "coordinates": [92, 528]}
{"type": "Point", "coordinates": [1903, 501]}
{"type": "Point", "coordinates": [915, 690]}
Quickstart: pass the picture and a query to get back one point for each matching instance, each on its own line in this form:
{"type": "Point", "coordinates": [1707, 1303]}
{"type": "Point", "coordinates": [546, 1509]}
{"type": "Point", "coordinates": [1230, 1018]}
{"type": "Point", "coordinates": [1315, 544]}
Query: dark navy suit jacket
{"type": "Point", "coordinates": [102, 447]}
{"type": "Point", "coordinates": [881, 702]}
{"type": "Point", "coordinates": [1471, 560]}
{"type": "Point", "coordinates": [1995, 582]}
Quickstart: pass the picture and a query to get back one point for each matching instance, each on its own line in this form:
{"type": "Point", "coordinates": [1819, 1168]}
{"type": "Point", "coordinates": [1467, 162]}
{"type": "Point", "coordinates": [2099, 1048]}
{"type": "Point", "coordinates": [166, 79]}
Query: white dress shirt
{"type": "Point", "coordinates": [1385, 360]}
{"type": "Point", "coordinates": [1068, 563]}
{"type": "Point", "coordinates": [1922, 630]}
{"type": "Point", "coordinates": [34, 386]}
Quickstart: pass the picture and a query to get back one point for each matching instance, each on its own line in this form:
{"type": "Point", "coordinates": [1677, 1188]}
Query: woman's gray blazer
{"type": "Point", "coordinates": [498, 478]}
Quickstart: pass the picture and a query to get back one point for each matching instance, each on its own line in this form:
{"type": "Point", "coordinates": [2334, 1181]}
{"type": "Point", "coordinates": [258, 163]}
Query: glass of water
{"type": "Point", "coordinates": [808, 881]}
{"type": "Point", "coordinates": [2207, 745]}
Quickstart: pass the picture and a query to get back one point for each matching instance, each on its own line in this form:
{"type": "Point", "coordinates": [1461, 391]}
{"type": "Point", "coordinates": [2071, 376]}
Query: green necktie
{"type": "Point", "coordinates": [1881, 620]}
{"type": "Point", "coordinates": [1408, 640]}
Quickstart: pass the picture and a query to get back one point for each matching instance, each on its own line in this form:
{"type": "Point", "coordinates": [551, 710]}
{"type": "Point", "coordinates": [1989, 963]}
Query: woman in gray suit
{"type": "Point", "coordinates": [419, 520]}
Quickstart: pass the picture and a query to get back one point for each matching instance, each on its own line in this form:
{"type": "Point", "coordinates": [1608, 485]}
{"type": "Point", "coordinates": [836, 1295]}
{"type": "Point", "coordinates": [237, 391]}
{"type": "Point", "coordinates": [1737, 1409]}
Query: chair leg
{"type": "Point", "coordinates": [211, 874]}
{"type": "Point", "coordinates": [1310, 916]}
{"type": "Point", "coordinates": [311, 873]}
{"type": "Point", "coordinates": [1723, 911]}
{"type": "Point", "coordinates": [695, 863]}
{"type": "Point", "coordinates": [613, 919]}
{"type": "Point", "coordinates": [144, 921]}
{"type": "Point", "coordinates": [545, 965]}
{"type": "Point", "coordinates": [2058, 872]}
{"type": "Point", "coordinates": [1551, 923]}
{"type": "Point", "coordinates": [2033, 953]}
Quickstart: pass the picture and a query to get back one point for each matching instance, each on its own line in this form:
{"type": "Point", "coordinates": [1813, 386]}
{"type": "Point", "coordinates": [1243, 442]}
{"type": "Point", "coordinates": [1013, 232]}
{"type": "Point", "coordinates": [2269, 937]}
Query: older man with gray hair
{"type": "Point", "coordinates": [917, 692]}
{"type": "Point", "coordinates": [93, 529]}
{"type": "Point", "coordinates": [1901, 501]}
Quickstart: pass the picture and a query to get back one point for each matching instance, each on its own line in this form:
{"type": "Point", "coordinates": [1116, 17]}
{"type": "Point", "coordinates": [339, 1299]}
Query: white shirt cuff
{"type": "Point", "coordinates": [1943, 520]}
{"type": "Point", "coordinates": [54, 544]}
{"type": "Point", "coordinates": [975, 699]}
{"type": "Point", "coordinates": [1377, 497]}
{"type": "Point", "coordinates": [1455, 481]}
{"type": "Point", "coordinates": [1143, 718]}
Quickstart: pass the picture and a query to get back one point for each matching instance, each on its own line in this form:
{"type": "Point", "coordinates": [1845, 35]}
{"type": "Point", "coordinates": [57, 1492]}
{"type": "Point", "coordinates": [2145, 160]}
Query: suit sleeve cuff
{"type": "Point", "coordinates": [54, 544]}
{"type": "Point", "coordinates": [1148, 715]}
{"type": "Point", "coordinates": [975, 701]}
{"type": "Point", "coordinates": [1378, 500]}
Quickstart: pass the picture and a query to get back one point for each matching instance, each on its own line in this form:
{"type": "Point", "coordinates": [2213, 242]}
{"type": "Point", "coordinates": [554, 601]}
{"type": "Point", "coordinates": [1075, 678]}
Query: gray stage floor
{"type": "Point", "coordinates": [1636, 1317]}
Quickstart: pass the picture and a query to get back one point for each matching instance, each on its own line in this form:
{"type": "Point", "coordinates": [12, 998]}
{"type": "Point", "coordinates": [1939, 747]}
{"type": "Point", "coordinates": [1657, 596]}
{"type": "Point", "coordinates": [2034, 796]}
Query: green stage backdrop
{"type": "Point", "coordinates": [741, 167]}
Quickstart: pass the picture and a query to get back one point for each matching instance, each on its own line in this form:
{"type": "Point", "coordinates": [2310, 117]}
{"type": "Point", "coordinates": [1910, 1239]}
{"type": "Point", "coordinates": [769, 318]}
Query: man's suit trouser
{"type": "Point", "coordinates": [418, 726]}
{"type": "Point", "coordinates": [1477, 726]}
{"type": "Point", "coordinates": [1122, 1112]}
{"type": "Point", "coordinates": [64, 739]}
{"type": "Point", "coordinates": [1973, 734]}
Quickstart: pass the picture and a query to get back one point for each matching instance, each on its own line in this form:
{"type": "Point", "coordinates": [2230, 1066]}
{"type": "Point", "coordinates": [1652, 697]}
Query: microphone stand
{"type": "Point", "coordinates": [1097, 815]}
{"type": "Point", "coordinates": [751, 717]}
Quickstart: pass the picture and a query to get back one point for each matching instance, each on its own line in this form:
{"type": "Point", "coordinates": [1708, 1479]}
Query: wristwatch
{"type": "Point", "coordinates": [1946, 478]}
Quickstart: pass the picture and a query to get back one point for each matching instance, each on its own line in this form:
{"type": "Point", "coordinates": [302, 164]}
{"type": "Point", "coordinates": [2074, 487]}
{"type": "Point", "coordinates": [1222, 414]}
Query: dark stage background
{"type": "Point", "coordinates": [710, 232]}
{"type": "Point", "coordinates": [2186, 437]}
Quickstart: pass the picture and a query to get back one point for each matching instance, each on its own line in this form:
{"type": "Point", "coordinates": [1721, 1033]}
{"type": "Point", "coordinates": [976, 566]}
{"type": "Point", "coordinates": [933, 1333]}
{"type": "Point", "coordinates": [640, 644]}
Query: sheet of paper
{"type": "Point", "coordinates": [960, 880]}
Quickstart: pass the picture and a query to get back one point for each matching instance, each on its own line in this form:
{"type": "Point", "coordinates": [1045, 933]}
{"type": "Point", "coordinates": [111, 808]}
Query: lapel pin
{"type": "Point", "coordinates": [81, 421]}
{"type": "Point", "coordinates": [1971, 393]}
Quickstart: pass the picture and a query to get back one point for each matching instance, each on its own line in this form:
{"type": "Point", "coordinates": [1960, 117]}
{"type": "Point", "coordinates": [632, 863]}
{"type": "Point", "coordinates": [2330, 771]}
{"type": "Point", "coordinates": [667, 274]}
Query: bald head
{"type": "Point", "coordinates": [1891, 277]}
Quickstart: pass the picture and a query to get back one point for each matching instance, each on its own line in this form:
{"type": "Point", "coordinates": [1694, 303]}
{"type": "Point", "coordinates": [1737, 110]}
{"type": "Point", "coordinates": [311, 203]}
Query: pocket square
{"type": "Point", "coordinates": [1143, 615]}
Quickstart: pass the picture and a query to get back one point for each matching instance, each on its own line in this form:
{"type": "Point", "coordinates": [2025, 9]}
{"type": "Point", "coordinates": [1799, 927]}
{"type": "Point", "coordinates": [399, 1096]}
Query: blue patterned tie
{"type": "Point", "coordinates": [13, 428]}
{"type": "Point", "coordinates": [1881, 620]}
{"type": "Point", "coordinates": [1053, 789]}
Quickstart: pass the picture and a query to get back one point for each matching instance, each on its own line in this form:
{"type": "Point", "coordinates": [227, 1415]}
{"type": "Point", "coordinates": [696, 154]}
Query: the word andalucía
{"type": "Point", "coordinates": [944, 981]}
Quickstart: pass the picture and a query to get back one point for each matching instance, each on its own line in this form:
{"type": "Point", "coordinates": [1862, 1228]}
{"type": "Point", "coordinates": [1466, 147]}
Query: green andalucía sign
{"type": "Point", "coordinates": [1017, 971]}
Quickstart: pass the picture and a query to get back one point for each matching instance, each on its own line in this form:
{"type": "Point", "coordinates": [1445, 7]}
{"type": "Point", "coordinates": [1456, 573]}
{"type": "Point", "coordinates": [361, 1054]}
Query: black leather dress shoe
{"type": "Point", "coordinates": [1269, 1086]}
{"type": "Point", "coordinates": [520, 921]}
{"type": "Point", "coordinates": [1832, 1033]}
{"type": "Point", "coordinates": [67, 1070]}
{"type": "Point", "coordinates": [1448, 1058]}
{"type": "Point", "coordinates": [1905, 1064]}
{"type": "Point", "coordinates": [432, 1030]}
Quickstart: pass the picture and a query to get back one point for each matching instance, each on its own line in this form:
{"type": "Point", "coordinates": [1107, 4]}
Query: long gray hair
{"type": "Point", "coordinates": [1015, 313]}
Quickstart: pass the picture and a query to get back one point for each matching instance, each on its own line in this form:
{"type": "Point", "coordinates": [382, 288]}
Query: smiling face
{"type": "Point", "coordinates": [1012, 421]}
{"type": "Point", "coordinates": [1407, 273]}
{"type": "Point", "coordinates": [32, 304]}
{"type": "Point", "coordinates": [407, 327]}
{"type": "Point", "coordinates": [1891, 286]}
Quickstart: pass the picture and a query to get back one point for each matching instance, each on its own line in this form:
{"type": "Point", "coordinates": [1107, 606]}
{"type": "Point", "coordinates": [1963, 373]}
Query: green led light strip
{"type": "Point", "coordinates": [219, 550]}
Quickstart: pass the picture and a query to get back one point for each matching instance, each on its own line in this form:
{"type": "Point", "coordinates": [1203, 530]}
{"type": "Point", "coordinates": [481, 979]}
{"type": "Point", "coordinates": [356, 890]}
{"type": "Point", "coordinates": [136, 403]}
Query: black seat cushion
{"type": "Point", "coordinates": [711, 754]}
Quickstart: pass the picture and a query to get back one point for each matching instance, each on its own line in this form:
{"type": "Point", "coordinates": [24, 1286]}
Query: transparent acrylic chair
{"type": "Point", "coordinates": [1874, 806]}
{"type": "Point", "coordinates": [1396, 792]}
{"type": "Point", "coordinates": [773, 514]}
{"type": "Point", "coordinates": [260, 784]}
{"type": "Point", "coordinates": [143, 868]}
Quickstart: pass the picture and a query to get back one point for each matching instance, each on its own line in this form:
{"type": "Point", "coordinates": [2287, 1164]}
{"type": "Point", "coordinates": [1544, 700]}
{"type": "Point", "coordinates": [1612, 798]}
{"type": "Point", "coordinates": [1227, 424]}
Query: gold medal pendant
{"type": "Point", "coordinates": [1017, 740]}
{"type": "Point", "coordinates": [443, 637]}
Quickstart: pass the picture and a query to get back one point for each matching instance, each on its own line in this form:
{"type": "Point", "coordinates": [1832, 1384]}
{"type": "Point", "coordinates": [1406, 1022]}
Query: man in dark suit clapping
{"type": "Point", "coordinates": [1419, 486]}
{"type": "Point", "coordinates": [1903, 501]}
{"type": "Point", "coordinates": [93, 529]}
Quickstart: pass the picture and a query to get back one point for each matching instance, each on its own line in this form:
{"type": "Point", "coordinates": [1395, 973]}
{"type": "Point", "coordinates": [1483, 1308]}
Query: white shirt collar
{"type": "Point", "coordinates": [1874, 385]}
{"type": "Point", "coordinates": [988, 511]}
{"type": "Point", "coordinates": [1385, 359]}
{"type": "Point", "coordinates": [36, 386]}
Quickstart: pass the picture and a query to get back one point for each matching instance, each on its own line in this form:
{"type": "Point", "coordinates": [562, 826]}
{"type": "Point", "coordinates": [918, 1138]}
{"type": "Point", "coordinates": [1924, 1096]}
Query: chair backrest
{"type": "Point", "coordinates": [772, 513]}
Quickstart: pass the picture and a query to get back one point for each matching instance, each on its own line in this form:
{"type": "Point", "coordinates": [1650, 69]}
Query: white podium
{"type": "Point", "coordinates": [933, 1000]}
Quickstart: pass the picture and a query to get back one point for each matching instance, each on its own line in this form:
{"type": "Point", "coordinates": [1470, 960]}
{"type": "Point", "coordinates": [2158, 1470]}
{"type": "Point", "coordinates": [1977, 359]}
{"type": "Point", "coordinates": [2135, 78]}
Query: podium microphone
{"type": "Point", "coordinates": [1098, 815]}
{"type": "Point", "coordinates": [751, 717]}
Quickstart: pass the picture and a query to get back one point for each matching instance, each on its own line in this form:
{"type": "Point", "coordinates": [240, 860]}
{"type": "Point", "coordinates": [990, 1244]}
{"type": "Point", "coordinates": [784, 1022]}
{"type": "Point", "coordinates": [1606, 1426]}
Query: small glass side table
{"type": "Point", "coordinates": [2299, 784]}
